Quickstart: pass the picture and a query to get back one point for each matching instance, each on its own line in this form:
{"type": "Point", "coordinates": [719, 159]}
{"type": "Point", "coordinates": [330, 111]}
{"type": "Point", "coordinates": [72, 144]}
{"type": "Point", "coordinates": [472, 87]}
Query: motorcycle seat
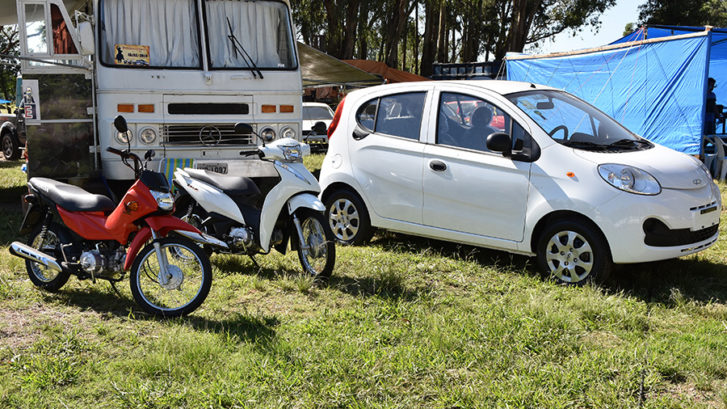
{"type": "Point", "coordinates": [70, 197]}
{"type": "Point", "coordinates": [231, 185]}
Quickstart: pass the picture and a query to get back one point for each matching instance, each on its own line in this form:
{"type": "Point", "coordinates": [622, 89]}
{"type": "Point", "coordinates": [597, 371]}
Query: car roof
{"type": "Point", "coordinates": [315, 104]}
{"type": "Point", "coordinates": [497, 86]}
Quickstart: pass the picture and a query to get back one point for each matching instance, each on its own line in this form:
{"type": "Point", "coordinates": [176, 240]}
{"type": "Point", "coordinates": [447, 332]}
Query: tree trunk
{"type": "Point", "coordinates": [429, 42]}
{"type": "Point", "coordinates": [415, 66]}
{"type": "Point", "coordinates": [349, 36]}
{"type": "Point", "coordinates": [333, 45]}
{"type": "Point", "coordinates": [442, 34]}
{"type": "Point", "coordinates": [363, 18]}
{"type": "Point", "coordinates": [396, 29]}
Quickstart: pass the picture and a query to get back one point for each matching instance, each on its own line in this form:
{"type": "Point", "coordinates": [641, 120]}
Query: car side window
{"type": "Point", "coordinates": [366, 115]}
{"type": "Point", "coordinates": [466, 121]}
{"type": "Point", "coordinates": [401, 115]}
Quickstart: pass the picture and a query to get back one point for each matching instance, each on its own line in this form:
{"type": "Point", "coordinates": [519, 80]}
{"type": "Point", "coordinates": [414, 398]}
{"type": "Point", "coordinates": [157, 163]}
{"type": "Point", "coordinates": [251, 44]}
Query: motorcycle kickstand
{"type": "Point", "coordinates": [116, 290]}
{"type": "Point", "coordinates": [259, 269]}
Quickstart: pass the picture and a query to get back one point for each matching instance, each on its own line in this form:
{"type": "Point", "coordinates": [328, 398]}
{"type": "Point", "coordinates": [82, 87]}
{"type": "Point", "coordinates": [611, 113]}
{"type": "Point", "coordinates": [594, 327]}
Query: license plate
{"type": "Point", "coordinates": [217, 167]}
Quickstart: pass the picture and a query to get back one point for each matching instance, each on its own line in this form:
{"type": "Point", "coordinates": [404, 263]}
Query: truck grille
{"type": "Point", "coordinates": [204, 135]}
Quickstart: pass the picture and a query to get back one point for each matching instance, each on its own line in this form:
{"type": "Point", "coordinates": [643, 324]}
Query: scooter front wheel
{"type": "Point", "coordinates": [181, 288]}
{"type": "Point", "coordinates": [317, 253]}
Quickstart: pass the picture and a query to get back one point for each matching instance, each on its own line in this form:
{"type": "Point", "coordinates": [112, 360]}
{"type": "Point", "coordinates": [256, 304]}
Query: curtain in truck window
{"type": "Point", "coordinates": [167, 27]}
{"type": "Point", "coordinates": [261, 27]}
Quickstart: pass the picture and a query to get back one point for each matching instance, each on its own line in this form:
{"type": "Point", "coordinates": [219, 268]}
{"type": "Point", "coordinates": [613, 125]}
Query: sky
{"type": "Point", "coordinates": [613, 21]}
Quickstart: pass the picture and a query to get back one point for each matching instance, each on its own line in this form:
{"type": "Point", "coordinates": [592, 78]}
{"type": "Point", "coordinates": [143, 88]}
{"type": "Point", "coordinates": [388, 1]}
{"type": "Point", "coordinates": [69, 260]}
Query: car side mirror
{"type": "Point", "coordinates": [85, 36]}
{"type": "Point", "coordinates": [320, 128]}
{"type": "Point", "coordinates": [243, 128]}
{"type": "Point", "coordinates": [500, 142]}
{"type": "Point", "coordinates": [120, 124]}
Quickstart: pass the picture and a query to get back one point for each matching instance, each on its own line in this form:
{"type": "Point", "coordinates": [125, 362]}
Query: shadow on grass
{"type": "Point", "coordinates": [11, 195]}
{"type": "Point", "coordinates": [9, 226]}
{"type": "Point", "coordinates": [245, 328]}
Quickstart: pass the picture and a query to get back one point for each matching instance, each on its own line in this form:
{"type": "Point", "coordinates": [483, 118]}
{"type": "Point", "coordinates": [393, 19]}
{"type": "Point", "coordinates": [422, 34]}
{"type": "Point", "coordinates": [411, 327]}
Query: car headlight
{"type": "Point", "coordinates": [268, 134]}
{"type": "Point", "coordinates": [165, 201]}
{"type": "Point", "coordinates": [629, 179]}
{"type": "Point", "coordinates": [124, 137]}
{"type": "Point", "coordinates": [292, 153]}
{"type": "Point", "coordinates": [288, 132]}
{"type": "Point", "coordinates": [148, 135]}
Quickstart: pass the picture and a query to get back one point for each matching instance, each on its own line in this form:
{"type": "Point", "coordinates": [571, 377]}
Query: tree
{"type": "Point", "coordinates": [9, 67]}
{"type": "Point", "coordinates": [684, 13]}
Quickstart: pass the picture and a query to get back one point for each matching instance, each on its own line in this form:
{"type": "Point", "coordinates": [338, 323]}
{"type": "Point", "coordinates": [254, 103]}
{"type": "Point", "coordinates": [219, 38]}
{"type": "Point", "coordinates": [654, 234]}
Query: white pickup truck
{"type": "Point", "coordinates": [11, 140]}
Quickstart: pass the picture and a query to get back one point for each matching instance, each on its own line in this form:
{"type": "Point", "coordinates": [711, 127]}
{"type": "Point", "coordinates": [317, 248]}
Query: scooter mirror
{"type": "Point", "coordinates": [320, 128]}
{"type": "Point", "coordinates": [120, 124]}
{"type": "Point", "coordinates": [243, 128]}
{"type": "Point", "coordinates": [149, 154]}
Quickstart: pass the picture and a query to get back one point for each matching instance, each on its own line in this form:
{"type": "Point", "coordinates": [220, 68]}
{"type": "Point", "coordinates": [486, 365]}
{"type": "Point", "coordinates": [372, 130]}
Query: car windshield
{"type": "Point", "coordinates": [311, 113]}
{"type": "Point", "coordinates": [572, 122]}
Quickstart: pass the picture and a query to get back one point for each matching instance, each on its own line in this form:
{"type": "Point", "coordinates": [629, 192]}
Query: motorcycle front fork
{"type": "Point", "coordinates": [162, 258]}
{"type": "Point", "coordinates": [301, 241]}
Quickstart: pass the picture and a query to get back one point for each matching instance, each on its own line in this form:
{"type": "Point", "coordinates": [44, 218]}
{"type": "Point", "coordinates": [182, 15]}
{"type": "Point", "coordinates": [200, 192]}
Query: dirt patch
{"type": "Point", "coordinates": [19, 329]}
{"type": "Point", "coordinates": [688, 391]}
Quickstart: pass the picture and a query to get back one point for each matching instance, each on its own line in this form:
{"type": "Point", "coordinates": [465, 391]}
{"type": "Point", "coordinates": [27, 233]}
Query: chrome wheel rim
{"type": "Point", "coordinates": [48, 245]}
{"type": "Point", "coordinates": [344, 219]}
{"type": "Point", "coordinates": [315, 256]}
{"type": "Point", "coordinates": [183, 284]}
{"type": "Point", "coordinates": [569, 256]}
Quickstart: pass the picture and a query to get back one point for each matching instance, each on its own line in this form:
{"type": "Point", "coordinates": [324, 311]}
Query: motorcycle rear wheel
{"type": "Point", "coordinates": [319, 257]}
{"type": "Point", "coordinates": [188, 281]}
{"type": "Point", "coordinates": [41, 276]}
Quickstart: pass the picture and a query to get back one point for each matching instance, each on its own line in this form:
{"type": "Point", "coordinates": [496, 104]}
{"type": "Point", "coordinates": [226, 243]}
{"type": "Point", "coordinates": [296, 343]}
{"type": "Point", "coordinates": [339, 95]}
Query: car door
{"type": "Point", "coordinates": [387, 153]}
{"type": "Point", "coordinates": [466, 187]}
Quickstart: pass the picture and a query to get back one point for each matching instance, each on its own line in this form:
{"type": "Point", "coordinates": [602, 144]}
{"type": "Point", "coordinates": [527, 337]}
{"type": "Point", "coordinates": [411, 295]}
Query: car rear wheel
{"type": "Point", "coordinates": [11, 148]}
{"type": "Point", "coordinates": [573, 253]}
{"type": "Point", "coordinates": [348, 217]}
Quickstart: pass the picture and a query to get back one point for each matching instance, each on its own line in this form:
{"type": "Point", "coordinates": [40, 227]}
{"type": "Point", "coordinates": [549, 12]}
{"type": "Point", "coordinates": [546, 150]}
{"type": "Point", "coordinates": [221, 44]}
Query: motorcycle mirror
{"type": "Point", "coordinates": [149, 154]}
{"type": "Point", "coordinates": [243, 128]}
{"type": "Point", "coordinates": [320, 128]}
{"type": "Point", "coordinates": [120, 124]}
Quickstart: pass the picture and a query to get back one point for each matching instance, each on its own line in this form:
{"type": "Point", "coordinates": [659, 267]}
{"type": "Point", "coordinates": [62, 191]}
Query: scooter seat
{"type": "Point", "coordinates": [70, 197]}
{"type": "Point", "coordinates": [231, 185]}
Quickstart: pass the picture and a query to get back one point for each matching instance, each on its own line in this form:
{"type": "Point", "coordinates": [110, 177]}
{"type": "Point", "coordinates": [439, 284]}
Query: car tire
{"type": "Point", "coordinates": [348, 217]}
{"type": "Point", "coordinates": [10, 145]}
{"type": "Point", "coordinates": [573, 253]}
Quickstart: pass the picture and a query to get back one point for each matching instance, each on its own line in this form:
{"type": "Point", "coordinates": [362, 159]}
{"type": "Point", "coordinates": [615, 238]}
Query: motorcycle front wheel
{"type": "Point", "coordinates": [317, 253]}
{"type": "Point", "coordinates": [184, 286]}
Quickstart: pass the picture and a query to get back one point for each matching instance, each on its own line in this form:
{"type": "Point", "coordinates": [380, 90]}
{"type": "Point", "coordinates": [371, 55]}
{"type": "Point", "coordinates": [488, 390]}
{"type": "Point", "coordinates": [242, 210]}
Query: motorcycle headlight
{"type": "Point", "coordinates": [148, 135]}
{"type": "Point", "coordinates": [629, 179]}
{"type": "Point", "coordinates": [165, 201]}
{"type": "Point", "coordinates": [124, 137]}
{"type": "Point", "coordinates": [292, 153]}
{"type": "Point", "coordinates": [288, 133]}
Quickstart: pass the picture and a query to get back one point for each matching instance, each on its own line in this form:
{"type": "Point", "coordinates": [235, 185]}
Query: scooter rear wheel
{"type": "Point", "coordinates": [319, 255]}
{"type": "Point", "coordinates": [186, 284]}
{"type": "Point", "coordinates": [41, 276]}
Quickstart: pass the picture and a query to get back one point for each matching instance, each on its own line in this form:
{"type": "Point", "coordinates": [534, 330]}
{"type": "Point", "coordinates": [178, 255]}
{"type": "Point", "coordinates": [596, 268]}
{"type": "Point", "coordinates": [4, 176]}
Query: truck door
{"type": "Point", "coordinates": [57, 93]}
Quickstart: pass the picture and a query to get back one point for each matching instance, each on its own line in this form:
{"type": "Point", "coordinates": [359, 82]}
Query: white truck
{"type": "Point", "coordinates": [182, 73]}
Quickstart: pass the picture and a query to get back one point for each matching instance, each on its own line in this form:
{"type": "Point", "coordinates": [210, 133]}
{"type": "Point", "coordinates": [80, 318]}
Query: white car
{"type": "Point", "coordinates": [517, 167]}
{"type": "Point", "coordinates": [314, 113]}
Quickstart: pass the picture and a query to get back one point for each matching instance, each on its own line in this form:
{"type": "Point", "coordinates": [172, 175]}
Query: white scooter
{"type": "Point", "coordinates": [274, 200]}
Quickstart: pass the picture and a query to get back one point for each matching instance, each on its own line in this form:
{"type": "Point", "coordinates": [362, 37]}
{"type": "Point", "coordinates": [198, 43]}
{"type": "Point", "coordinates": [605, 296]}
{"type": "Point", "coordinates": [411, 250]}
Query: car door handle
{"type": "Point", "coordinates": [437, 165]}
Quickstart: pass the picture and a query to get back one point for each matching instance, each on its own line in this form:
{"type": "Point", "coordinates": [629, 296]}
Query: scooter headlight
{"type": "Point", "coordinates": [292, 153]}
{"type": "Point", "coordinates": [165, 200]}
{"type": "Point", "coordinates": [629, 179]}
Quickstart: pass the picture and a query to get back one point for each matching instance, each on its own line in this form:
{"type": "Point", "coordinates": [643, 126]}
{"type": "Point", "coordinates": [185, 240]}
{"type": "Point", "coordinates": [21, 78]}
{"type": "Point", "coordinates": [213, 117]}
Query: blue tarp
{"type": "Point", "coordinates": [656, 89]}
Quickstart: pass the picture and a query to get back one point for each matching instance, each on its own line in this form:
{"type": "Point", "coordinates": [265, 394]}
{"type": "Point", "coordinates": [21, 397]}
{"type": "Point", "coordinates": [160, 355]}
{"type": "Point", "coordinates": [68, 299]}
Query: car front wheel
{"type": "Point", "coordinates": [348, 217]}
{"type": "Point", "coordinates": [11, 149]}
{"type": "Point", "coordinates": [573, 253]}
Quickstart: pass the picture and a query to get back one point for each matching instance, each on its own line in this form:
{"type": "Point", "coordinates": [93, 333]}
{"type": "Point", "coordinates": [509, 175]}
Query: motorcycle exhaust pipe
{"type": "Point", "coordinates": [23, 251]}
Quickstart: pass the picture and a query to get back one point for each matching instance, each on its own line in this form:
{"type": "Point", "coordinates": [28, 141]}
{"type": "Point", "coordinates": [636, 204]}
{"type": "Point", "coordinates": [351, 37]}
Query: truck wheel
{"type": "Point", "coordinates": [11, 148]}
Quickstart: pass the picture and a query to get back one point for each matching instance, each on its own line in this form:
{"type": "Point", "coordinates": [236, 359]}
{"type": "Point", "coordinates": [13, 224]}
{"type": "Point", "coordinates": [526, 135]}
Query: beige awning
{"type": "Point", "coordinates": [319, 69]}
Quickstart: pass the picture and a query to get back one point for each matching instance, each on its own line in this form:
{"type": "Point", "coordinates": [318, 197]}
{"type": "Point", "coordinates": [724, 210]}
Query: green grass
{"type": "Point", "coordinates": [404, 322]}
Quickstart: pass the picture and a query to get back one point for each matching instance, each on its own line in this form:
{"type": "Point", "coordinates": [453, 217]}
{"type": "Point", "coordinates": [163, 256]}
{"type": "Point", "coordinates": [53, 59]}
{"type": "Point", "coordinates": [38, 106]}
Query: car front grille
{"type": "Point", "coordinates": [204, 135]}
{"type": "Point", "coordinates": [659, 235]}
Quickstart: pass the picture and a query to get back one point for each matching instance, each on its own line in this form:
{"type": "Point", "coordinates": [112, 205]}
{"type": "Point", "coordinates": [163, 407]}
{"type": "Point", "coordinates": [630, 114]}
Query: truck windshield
{"type": "Point", "coordinates": [165, 34]}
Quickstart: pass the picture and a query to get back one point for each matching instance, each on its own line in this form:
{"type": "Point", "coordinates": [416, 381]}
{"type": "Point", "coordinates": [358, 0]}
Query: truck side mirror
{"type": "Point", "coordinates": [85, 36]}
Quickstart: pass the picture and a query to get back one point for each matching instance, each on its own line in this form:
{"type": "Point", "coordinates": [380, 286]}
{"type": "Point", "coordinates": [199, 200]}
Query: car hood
{"type": "Point", "coordinates": [308, 123]}
{"type": "Point", "coordinates": [673, 170]}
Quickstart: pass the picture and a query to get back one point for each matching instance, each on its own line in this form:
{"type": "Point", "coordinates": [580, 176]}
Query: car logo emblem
{"type": "Point", "coordinates": [210, 135]}
{"type": "Point", "coordinates": [697, 181]}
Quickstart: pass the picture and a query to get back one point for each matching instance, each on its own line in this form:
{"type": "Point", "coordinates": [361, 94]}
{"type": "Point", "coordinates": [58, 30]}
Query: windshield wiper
{"type": "Point", "coordinates": [627, 143]}
{"type": "Point", "coordinates": [238, 48]}
{"type": "Point", "coordinates": [584, 145]}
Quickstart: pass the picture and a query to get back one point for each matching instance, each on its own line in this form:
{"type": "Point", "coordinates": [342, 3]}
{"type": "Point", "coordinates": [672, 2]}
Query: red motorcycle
{"type": "Point", "coordinates": [76, 232]}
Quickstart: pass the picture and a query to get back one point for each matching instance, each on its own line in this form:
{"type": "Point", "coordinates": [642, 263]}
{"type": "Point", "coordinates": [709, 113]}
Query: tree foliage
{"type": "Point", "coordinates": [9, 67]}
{"type": "Point", "coordinates": [684, 13]}
{"type": "Point", "coordinates": [413, 34]}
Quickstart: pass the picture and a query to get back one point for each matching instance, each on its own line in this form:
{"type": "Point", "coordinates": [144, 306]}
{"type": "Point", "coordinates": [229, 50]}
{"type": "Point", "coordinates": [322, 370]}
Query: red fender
{"type": "Point", "coordinates": [160, 224]}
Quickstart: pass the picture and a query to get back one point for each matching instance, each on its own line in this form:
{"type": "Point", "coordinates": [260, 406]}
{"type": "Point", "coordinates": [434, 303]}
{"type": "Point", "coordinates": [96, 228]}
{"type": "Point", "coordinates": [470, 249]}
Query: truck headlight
{"type": "Point", "coordinates": [148, 135]}
{"type": "Point", "coordinates": [629, 179]}
{"type": "Point", "coordinates": [288, 132]}
{"type": "Point", "coordinates": [124, 137]}
{"type": "Point", "coordinates": [268, 134]}
{"type": "Point", "coordinates": [165, 201]}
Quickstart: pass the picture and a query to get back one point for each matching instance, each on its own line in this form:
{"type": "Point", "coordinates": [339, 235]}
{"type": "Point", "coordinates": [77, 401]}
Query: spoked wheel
{"type": "Point", "coordinates": [573, 253]}
{"type": "Point", "coordinates": [317, 253]}
{"type": "Point", "coordinates": [44, 277]}
{"type": "Point", "coordinates": [348, 218]}
{"type": "Point", "coordinates": [184, 286]}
